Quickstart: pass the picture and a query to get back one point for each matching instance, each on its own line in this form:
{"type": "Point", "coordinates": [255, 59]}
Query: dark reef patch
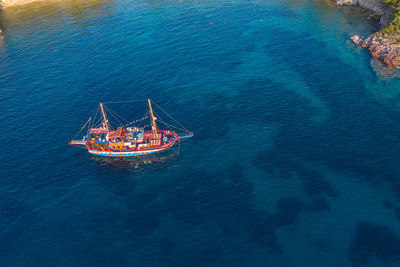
{"type": "Point", "coordinates": [262, 228]}
{"type": "Point", "coordinates": [261, 231]}
{"type": "Point", "coordinates": [270, 161]}
{"type": "Point", "coordinates": [392, 206]}
{"type": "Point", "coordinates": [15, 217]}
{"type": "Point", "coordinates": [315, 183]}
{"type": "Point", "coordinates": [226, 198]}
{"type": "Point", "coordinates": [317, 204]}
{"type": "Point", "coordinates": [371, 156]}
{"type": "Point", "coordinates": [397, 211]}
{"type": "Point", "coordinates": [289, 209]}
{"type": "Point", "coordinates": [374, 240]}
{"type": "Point", "coordinates": [278, 104]}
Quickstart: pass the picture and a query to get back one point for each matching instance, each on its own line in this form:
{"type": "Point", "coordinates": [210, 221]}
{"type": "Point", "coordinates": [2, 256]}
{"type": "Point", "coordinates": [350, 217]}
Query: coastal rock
{"type": "Point", "coordinates": [383, 72]}
{"type": "Point", "coordinates": [386, 17]}
{"type": "Point", "coordinates": [381, 46]}
{"type": "Point", "coordinates": [377, 6]}
{"type": "Point", "coordinates": [357, 40]}
{"type": "Point", "coordinates": [346, 2]}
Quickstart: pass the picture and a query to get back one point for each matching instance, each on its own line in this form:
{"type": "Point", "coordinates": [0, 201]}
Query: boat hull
{"type": "Point", "coordinates": [109, 153]}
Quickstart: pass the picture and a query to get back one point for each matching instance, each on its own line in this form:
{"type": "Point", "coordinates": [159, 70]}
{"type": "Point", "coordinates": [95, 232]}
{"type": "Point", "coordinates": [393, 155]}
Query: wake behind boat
{"type": "Point", "coordinates": [130, 139]}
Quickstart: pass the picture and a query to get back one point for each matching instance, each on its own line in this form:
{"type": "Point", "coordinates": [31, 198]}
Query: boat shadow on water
{"type": "Point", "coordinates": [139, 163]}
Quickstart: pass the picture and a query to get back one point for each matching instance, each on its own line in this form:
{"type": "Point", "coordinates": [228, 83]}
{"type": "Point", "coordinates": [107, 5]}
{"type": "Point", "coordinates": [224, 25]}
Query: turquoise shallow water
{"type": "Point", "coordinates": [294, 160]}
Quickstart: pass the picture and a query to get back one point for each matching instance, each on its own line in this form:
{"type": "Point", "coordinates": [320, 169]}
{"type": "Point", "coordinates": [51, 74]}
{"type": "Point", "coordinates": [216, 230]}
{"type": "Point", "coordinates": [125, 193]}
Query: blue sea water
{"type": "Point", "coordinates": [295, 159]}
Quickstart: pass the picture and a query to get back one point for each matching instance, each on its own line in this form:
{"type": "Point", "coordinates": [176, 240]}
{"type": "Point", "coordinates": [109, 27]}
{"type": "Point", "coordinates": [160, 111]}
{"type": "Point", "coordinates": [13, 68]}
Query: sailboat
{"type": "Point", "coordinates": [130, 139]}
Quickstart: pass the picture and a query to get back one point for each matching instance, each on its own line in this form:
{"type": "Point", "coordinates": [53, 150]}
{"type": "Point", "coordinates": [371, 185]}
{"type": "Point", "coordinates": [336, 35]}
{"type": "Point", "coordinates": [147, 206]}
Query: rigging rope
{"type": "Point", "coordinates": [169, 125]}
{"type": "Point", "coordinates": [116, 114]}
{"type": "Point", "coordinates": [94, 123]}
{"type": "Point", "coordinates": [86, 123]}
{"type": "Point", "coordinates": [136, 121]}
{"type": "Point", "coordinates": [95, 117]}
{"type": "Point", "coordinates": [170, 117]}
{"type": "Point", "coordinates": [112, 115]}
{"type": "Point", "coordinates": [166, 124]}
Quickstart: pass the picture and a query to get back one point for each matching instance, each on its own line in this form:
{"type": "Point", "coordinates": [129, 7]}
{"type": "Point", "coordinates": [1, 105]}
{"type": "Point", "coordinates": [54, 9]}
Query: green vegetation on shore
{"type": "Point", "coordinates": [394, 25]}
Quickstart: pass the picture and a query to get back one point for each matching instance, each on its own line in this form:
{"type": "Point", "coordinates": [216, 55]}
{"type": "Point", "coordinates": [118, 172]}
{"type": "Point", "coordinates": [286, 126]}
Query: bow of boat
{"type": "Point", "coordinates": [185, 136]}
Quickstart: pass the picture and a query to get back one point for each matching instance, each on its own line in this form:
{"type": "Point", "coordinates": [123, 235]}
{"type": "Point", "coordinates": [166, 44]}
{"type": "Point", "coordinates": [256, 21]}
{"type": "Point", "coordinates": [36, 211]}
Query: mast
{"type": "Point", "coordinates": [153, 120]}
{"type": "Point", "coordinates": [104, 117]}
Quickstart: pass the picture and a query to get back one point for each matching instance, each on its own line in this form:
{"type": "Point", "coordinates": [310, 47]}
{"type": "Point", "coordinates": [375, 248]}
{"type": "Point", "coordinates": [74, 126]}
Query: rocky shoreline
{"type": "Point", "coordinates": [376, 6]}
{"type": "Point", "coordinates": [381, 46]}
